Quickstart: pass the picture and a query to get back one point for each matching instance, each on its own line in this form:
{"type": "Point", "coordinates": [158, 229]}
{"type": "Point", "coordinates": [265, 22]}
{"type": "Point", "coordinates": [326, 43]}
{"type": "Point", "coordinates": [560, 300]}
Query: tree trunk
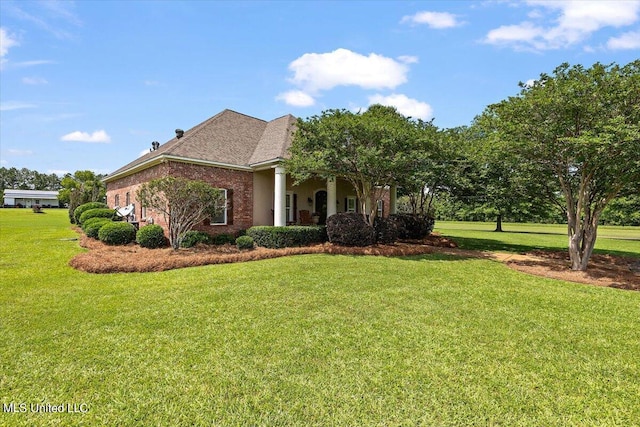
{"type": "Point", "coordinates": [582, 239]}
{"type": "Point", "coordinates": [499, 223]}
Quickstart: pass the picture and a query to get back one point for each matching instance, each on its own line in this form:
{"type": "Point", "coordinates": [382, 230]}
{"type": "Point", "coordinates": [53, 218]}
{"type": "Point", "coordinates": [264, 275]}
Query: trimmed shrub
{"type": "Point", "coordinates": [223, 239]}
{"type": "Point", "coordinates": [91, 221]}
{"type": "Point", "coordinates": [193, 237]}
{"type": "Point", "coordinates": [117, 233]}
{"type": "Point", "coordinates": [286, 237]}
{"type": "Point", "coordinates": [244, 242]}
{"type": "Point", "coordinates": [151, 236]}
{"type": "Point", "coordinates": [413, 226]}
{"type": "Point", "coordinates": [96, 213]}
{"type": "Point", "coordinates": [85, 207]}
{"type": "Point", "coordinates": [386, 230]}
{"type": "Point", "coordinates": [350, 229]}
{"type": "Point", "coordinates": [92, 226]}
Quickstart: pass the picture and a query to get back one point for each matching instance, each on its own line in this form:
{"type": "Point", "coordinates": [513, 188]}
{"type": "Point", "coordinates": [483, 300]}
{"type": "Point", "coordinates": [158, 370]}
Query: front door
{"type": "Point", "coordinates": [321, 206]}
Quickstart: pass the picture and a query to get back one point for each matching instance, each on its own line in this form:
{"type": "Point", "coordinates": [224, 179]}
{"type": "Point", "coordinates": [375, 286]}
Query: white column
{"type": "Point", "coordinates": [393, 200]}
{"type": "Point", "coordinates": [332, 197]}
{"type": "Point", "coordinates": [279, 197]}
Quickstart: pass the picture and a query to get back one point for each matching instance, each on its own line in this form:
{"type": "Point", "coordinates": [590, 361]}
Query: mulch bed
{"type": "Point", "coordinates": [604, 270]}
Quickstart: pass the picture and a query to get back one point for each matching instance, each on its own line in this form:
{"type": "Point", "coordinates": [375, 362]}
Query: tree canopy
{"type": "Point", "coordinates": [370, 150]}
{"type": "Point", "coordinates": [581, 127]}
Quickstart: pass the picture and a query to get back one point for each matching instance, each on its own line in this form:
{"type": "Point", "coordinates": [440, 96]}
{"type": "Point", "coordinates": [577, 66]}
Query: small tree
{"type": "Point", "coordinates": [183, 203]}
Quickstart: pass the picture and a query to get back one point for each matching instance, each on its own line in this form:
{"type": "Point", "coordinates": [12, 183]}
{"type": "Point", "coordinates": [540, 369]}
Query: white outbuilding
{"type": "Point", "coordinates": [28, 198]}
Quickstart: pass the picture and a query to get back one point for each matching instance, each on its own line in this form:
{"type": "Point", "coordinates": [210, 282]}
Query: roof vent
{"type": "Point", "coordinates": [179, 133]}
{"type": "Point", "coordinates": [155, 145]}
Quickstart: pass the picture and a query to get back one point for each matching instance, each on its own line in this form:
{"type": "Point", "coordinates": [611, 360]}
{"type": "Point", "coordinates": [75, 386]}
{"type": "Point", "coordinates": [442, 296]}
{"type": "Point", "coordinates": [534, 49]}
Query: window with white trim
{"type": "Point", "coordinates": [289, 206]}
{"type": "Point", "coordinates": [128, 198]}
{"type": "Point", "coordinates": [117, 201]}
{"type": "Point", "coordinates": [221, 217]}
{"type": "Point", "coordinates": [380, 208]}
{"type": "Point", "coordinates": [351, 204]}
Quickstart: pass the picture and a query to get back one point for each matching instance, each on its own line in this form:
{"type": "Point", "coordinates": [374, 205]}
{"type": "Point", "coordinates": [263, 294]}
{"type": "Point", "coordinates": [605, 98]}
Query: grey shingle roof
{"type": "Point", "coordinates": [228, 137]}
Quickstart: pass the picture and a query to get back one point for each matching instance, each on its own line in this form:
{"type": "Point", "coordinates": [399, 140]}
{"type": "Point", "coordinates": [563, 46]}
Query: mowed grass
{"type": "Point", "coordinates": [527, 237]}
{"type": "Point", "coordinates": [308, 340]}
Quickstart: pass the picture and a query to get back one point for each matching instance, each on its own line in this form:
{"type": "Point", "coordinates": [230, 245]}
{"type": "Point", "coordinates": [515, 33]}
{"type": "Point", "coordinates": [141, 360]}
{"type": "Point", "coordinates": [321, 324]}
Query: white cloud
{"type": "Point", "coordinates": [34, 81]}
{"type": "Point", "coordinates": [529, 83]}
{"type": "Point", "coordinates": [572, 22]}
{"type": "Point", "coordinates": [323, 71]}
{"type": "Point", "coordinates": [15, 105]}
{"type": "Point", "coordinates": [143, 152]}
{"type": "Point", "coordinates": [77, 136]}
{"type": "Point", "coordinates": [7, 41]}
{"type": "Point", "coordinates": [405, 105]}
{"type": "Point", "coordinates": [437, 20]}
{"type": "Point", "coordinates": [296, 98]}
{"type": "Point", "coordinates": [3, 162]}
{"type": "Point", "coordinates": [24, 64]}
{"type": "Point", "coordinates": [630, 40]}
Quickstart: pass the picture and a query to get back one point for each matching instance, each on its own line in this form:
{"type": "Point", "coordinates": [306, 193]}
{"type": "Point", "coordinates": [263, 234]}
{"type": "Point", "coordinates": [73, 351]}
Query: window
{"type": "Point", "coordinates": [351, 204]}
{"type": "Point", "coordinates": [117, 201]}
{"type": "Point", "coordinates": [128, 197]}
{"type": "Point", "coordinates": [221, 217]}
{"type": "Point", "coordinates": [143, 212]}
{"type": "Point", "coordinates": [380, 208]}
{"type": "Point", "coordinates": [289, 208]}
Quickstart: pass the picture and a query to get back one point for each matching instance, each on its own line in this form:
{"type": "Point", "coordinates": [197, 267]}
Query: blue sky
{"type": "Point", "coordinates": [90, 84]}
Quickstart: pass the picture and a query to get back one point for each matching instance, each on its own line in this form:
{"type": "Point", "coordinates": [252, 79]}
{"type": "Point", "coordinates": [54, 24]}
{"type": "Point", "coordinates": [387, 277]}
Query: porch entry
{"type": "Point", "coordinates": [321, 206]}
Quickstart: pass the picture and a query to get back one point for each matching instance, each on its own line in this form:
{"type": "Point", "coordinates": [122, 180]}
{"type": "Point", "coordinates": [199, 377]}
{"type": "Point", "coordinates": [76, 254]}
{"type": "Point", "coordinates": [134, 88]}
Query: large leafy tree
{"type": "Point", "coordinates": [581, 127]}
{"type": "Point", "coordinates": [81, 187]}
{"type": "Point", "coordinates": [498, 182]}
{"type": "Point", "coordinates": [438, 167]}
{"type": "Point", "coordinates": [183, 203]}
{"type": "Point", "coordinates": [370, 150]}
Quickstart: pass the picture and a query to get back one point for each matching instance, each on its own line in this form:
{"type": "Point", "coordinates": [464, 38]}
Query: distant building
{"type": "Point", "coordinates": [28, 198]}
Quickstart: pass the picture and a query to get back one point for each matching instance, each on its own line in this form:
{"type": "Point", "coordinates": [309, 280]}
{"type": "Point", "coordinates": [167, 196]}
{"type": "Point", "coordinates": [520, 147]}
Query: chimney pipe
{"type": "Point", "coordinates": [179, 133]}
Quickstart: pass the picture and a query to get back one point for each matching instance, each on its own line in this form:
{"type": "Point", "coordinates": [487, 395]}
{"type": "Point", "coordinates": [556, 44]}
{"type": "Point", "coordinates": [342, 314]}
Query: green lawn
{"type": "Point", "coordinates": [308, 340]}
{"type": "Point", "coordinates": [527, 237]}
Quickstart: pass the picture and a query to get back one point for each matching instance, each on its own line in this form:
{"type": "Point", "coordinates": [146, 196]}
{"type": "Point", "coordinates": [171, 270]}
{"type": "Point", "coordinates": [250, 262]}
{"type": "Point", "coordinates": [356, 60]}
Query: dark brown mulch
{"type": "Point", "coordinates": [604, 270]}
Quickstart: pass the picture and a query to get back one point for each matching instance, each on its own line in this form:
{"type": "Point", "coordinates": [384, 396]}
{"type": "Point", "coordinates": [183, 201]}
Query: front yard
{"type": "Point", "coordinates": [308, 340]}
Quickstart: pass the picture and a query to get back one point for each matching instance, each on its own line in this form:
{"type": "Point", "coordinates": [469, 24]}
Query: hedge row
{"type": "Point", "coordinates": [85, 207]}
{"type": "Point", "coordinates": [285, 237]}
{"type": "Point", "coordinates": [96, 213]}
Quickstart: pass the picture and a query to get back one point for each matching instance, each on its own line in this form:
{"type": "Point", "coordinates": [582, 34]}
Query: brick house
{"type": "Point", "coordinates": [243, 156]}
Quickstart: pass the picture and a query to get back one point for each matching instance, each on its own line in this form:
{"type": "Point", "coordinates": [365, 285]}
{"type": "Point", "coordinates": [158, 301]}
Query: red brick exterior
{"type": "Point", "coordinates": [240, 182]}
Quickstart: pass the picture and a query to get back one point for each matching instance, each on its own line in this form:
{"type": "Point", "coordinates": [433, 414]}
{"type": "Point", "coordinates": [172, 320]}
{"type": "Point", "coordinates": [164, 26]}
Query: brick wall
{"type": "Point", "coordinates": [241, 182]}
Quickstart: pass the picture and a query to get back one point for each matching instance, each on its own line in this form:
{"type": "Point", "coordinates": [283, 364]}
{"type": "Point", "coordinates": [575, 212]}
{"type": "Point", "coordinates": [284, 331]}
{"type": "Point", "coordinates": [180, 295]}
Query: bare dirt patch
{"type": "Point", "coordinates": [604, 270]}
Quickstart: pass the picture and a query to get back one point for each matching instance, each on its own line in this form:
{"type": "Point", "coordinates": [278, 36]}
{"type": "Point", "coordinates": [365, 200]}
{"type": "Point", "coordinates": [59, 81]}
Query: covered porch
{"type": "Point", "coordinates": [277, 201]}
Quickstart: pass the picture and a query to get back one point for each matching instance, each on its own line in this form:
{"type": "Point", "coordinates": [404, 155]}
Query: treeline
{"type": "Point", "coordinates": [27, 179]}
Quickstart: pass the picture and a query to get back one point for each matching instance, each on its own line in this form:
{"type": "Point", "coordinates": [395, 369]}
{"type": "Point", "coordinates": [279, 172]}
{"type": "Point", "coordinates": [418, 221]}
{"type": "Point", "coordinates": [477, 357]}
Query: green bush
{"type": "Point", "coordinates": [91, 221]}
{"type": "Point", "coordinates": [386, 230]}
{"type": "Point", "coordinates": [151, 236]}
{"type": "Point", "coordinates": [117, 233]}
{"type": "Point", "coordinates": [96, 213]}
{"type": "Point", "coordinates": [192, 238]}
{"type": "Point", "coordinates": [284, 237]}
{"type": "Point", "coordinates": [85, 207]}
{"type": "Point", "coordinates": [413, 226]}
{"type": "Point", "coordinates": [350, 229]}
{"type": "Point", "coordinates": [244, 242]}
{"type": "Point", "coordinates": [93, 226]}
{"type": "Point", "coordinates": [223, 239]}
